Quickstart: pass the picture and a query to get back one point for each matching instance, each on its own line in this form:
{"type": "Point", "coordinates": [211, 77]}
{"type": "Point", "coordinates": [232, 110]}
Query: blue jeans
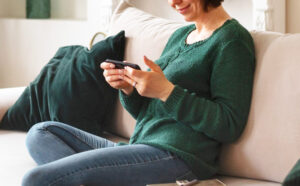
{"type": "Point", "coordinates": [69, 156]}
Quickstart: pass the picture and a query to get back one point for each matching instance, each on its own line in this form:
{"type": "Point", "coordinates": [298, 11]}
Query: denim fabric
{"type": "Point", "coordinates": [69, 156]}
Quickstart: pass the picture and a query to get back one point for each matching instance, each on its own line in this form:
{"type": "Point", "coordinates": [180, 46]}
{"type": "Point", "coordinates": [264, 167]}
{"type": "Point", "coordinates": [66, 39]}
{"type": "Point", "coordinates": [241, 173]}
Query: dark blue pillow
{"type": "Point", "coordinates": [70, 89]}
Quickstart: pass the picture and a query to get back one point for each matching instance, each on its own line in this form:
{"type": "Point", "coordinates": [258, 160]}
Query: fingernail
{"type": "Point", "coordinates": [112, 66]}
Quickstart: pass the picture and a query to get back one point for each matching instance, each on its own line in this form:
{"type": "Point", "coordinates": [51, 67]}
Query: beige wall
{"type": "Point", "coordinates": [293, 16]}
{"type": "Point", "coordinates": [60, 9]}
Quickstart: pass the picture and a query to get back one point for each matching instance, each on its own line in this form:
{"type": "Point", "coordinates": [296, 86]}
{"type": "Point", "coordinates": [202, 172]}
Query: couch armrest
{"type": "Point", "coordinates": [8, 96]}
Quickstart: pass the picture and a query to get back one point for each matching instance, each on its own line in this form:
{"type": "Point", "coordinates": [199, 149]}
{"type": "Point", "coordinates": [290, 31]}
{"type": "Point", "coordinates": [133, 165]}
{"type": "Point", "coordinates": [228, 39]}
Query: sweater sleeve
{"type": "Point", "coordinates": [224, 115]}
{"type": "Point", "coordinates": [132, 103]}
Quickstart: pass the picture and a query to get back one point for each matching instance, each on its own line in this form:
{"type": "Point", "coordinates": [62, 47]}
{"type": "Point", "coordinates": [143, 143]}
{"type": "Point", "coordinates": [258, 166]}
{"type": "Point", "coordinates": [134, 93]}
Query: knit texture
{"type": "Point", "coordinates": [293, 178]}
{"type": "Point", "coordinates": [210, 103]}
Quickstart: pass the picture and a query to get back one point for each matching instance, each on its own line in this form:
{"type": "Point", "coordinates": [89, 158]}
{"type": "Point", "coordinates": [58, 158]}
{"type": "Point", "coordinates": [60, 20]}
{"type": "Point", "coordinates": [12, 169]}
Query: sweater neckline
{"type": "Point", "coordinates": [193, 27]}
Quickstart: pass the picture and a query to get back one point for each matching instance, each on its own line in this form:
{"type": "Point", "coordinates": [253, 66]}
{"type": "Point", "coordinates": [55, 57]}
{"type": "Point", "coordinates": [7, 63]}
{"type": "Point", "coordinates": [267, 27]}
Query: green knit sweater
{"type": "Point", "coordinates": [210, 102]}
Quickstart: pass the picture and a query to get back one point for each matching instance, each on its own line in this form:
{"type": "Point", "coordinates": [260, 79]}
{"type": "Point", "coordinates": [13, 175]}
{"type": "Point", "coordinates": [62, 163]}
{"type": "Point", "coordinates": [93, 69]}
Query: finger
{"type": "Point", "coordinates": [106, 65]}
{"type": "Point", "coordinates": [129, 81]}
{"type": "Point", "coordinates": [113, 72]}
{"type": "Point", "coordinates": [133, 74]}
{"type": "Point", "coordinates": [117, 84]}
{"type": "Point", "coordinates": [154, 67]}
{"type": "Point", "coordinates": [114, 78]}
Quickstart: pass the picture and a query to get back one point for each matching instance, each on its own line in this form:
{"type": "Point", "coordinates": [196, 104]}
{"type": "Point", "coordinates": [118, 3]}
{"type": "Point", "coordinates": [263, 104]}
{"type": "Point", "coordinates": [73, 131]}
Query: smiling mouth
{"type": "Point", "coordinates": [182, 10]}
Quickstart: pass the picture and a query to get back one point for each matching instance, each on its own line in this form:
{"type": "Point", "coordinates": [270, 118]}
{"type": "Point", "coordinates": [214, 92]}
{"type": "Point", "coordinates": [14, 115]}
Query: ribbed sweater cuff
{"type": "Point", "coordinates": [174, 98]}
{"type": "Point", "coordinates": [126, 98]}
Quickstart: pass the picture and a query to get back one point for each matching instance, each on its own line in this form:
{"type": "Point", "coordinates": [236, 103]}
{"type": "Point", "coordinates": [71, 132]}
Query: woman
{"type": "Point", "coordinates": [194, 98]}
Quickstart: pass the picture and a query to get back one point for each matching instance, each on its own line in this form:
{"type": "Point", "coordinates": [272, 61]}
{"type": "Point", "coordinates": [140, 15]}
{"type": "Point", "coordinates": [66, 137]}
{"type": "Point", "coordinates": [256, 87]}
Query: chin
{"type": "Point", "coordinates": [188, 19]}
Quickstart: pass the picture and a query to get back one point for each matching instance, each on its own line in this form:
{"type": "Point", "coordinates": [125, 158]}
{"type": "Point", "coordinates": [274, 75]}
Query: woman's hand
{"type": "Point", "coordinates": [115, 78]}
{"type": "Point", "coordinates": [151, 84]}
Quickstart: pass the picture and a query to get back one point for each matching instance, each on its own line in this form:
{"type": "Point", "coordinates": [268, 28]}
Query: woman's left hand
{"type": "Point", "coordinates": [152, 84]}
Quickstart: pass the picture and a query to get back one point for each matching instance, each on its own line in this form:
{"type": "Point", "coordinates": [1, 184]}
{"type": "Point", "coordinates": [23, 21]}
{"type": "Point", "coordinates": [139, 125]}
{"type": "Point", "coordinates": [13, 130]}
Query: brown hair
{"type": "Point", "coordinates": [212, 3]}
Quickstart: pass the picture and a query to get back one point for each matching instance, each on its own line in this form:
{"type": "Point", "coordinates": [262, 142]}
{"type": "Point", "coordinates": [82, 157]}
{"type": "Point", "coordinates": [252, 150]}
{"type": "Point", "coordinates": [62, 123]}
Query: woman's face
{"type": "Point", "coordinates": [190, 9]}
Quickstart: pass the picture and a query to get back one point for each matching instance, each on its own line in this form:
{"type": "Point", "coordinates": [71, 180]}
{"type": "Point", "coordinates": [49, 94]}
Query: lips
{"type": "Point", "coordinates": [183, 10]}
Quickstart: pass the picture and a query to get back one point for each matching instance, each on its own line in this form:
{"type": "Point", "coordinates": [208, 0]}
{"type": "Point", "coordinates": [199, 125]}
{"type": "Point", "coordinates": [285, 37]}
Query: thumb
{"type": "Point", "coordinates": [154, 67]}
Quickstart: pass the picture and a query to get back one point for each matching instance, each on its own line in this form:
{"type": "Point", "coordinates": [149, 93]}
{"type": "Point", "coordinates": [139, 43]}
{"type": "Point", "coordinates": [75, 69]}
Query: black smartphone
{"type": "Point", "coordinates": [121, 64]}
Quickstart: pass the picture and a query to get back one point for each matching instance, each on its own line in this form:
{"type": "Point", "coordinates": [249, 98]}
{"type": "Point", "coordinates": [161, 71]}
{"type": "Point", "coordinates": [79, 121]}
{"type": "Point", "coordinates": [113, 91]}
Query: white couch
{"type": "Point", "coordinates": [270, 144]}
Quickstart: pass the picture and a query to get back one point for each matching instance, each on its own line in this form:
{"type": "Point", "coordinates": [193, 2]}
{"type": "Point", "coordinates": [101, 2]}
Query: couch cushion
{"type": "Point", "coordinates": [269, 146]}
{"type": "Point", "coordinates": [8, 98]}
{"type": "Point", "coordinates": [14, 158]}
{"type": "Point", "coordinates": [145, 35]}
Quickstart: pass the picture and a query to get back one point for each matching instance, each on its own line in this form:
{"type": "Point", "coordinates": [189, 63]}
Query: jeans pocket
{"type": "Point", "coordinates": [187, 176]}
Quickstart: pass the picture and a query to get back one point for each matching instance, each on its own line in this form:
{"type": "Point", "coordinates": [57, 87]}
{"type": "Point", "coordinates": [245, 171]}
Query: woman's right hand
{"type": "Point", "coordinates": [115, 78]}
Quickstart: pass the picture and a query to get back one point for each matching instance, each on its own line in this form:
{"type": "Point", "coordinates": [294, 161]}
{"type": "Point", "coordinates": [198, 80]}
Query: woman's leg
{"type": "Point", "coordinates": [50, 141]}
{"type": "Point", "coordinates": [129, 165]}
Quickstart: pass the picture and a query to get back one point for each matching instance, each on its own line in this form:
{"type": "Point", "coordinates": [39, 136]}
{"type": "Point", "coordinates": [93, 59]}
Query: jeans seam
{"type": "Point", "coordinates": [58, 139]}
{"type": "Point", "coordinates": [170, 157]}
{"type": "Point", "coordinates": [70, 134]}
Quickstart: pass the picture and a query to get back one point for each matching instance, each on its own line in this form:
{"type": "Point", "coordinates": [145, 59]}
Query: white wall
{"type": "Point", "coordinates": [69, 9]}
{"type": "Point", "coordinates": [60, 9]}
{"type": "Point", "coordinates": [241, 10]}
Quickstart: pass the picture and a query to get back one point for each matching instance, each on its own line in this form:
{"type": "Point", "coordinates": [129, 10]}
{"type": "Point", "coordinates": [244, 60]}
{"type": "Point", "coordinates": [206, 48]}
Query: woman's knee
{"type": "Point", "coordinates": [38, 140]}
{"type": "Point", "coordinates": [35, 177]}
{"type": "Point", "coordinates": [36, 133]}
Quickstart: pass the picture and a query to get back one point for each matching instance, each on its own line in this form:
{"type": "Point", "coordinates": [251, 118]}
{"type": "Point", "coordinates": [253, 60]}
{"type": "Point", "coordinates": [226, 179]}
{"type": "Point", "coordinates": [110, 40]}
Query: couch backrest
{"type": "Point", "coordinates": [270, 144]}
